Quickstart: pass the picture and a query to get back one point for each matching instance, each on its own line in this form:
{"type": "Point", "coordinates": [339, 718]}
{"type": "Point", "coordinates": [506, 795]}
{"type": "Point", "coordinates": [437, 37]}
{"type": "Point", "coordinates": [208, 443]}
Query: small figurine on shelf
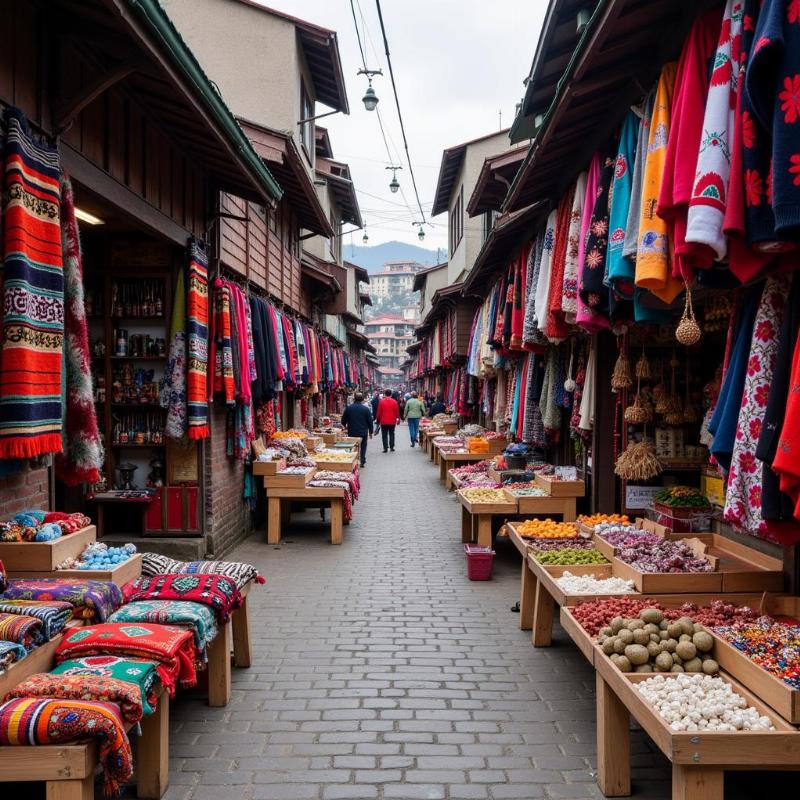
{"type": "Point", "coordinates": [155, 480]}
{"type": "Point", "coordinates": [126, 470]}
{"type": "Point", "coordinates": [100, 389]}
{"type": "Point", "coordinates": [99, 348]}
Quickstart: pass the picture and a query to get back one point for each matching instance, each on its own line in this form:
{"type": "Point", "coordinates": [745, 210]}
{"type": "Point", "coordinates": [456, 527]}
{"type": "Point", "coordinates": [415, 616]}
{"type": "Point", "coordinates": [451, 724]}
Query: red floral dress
{"type": "Point", "coordinates": [743, 495]}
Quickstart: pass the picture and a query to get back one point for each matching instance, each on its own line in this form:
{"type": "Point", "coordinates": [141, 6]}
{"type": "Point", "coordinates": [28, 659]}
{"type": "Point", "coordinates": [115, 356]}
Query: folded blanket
{"type": "Point", "coordinates": [242, 573]}
{"type": "Point", "coordinates": [9, 653]}
{"type": "Point", "coordinates": [197, 618]}
{"type": "Point", "coordinates": [94, 688]}
{"type": "Point", "coordinates": [94, 600]}
{"type": "Point", "coordinates": [172, 647]}
{"type": "Point", "coordinates": [33, 721]}
{"type": "Point", "coordinates": [23, 630]}
{"type": "Point", "coordinates": [52, 614]}
{"type": "Point", "coordinates": [216, 591]}
{"type": "Point", "coordinates": [136, 671]}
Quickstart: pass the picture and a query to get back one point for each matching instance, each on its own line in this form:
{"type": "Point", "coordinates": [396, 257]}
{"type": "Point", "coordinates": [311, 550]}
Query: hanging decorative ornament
{"type": "Point", "coordinates": [569, 383]}
{"type": "Point", "coordinates": [636, 414]}
{"type": "Point", "coordinates": [688, 331]}
{"type": "Point", "coordinates": [643, 368]}
{"type": "Point", "coordinates": [621, 378]}
{"type": "Point", "coordinates": [638, 462]}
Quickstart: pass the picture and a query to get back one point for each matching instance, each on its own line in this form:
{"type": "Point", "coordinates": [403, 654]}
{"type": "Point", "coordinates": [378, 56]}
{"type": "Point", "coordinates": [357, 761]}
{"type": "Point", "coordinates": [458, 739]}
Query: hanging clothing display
{"type": "Point", "coordinates": [197, 313]}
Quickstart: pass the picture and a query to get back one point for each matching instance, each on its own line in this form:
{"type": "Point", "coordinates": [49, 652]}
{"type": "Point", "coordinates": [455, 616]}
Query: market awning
{"type": "Point", "coordinates": [337, 174]}
{"type": "Point", "coordinates": [318, 271]}
{"type": "Point", "coordinates": [494, 181]}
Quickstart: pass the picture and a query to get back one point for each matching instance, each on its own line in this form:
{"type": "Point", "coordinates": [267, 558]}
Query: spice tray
{"type": "Point", "coordinates": [279, 481]}
{"type": "Point", "coordinates": [782, 697]}
{"type": "Point", "coordinates": [560, 488]}
{"type": "Point", "coordinates": [268, 467]}
{"type": "Point", "coordinates": [45, 556]}
{"type": "Point", "coordinates": [509, 507]}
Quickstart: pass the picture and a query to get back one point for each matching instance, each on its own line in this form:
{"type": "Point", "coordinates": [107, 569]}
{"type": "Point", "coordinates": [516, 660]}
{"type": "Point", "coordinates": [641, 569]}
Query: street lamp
{"type": "Point", "coordinates": [370, 99]}
{"type": "Point", "coordinates": [421, 231]}
{"type": "Point", "coordinates": [394, 184]}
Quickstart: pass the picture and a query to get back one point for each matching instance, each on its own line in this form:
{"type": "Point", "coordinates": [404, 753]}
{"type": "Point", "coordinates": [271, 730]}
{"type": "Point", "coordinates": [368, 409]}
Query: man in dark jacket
{"type": "Point", "coordinates": [357, 418]}
{"type": "Point", "coordinates": [438, 407]}
{"type": "Point", "coordinates": [376, 398]}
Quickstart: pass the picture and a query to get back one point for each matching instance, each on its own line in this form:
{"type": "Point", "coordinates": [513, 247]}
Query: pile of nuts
{"type": "Point", "coordinates": [651, 643]}
{"type": "Point", "coordinates": [484, 495]}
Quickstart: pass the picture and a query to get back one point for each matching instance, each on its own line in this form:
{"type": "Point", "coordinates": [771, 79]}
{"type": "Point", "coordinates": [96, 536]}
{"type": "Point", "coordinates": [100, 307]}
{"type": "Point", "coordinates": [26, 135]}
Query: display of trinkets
{"type": "Point", "coordinates": [121, 342]}
{"type": "Point", "coordinates": [142, 344]}
{"type": "Point", "coordinates": [138, 428]}
{"type": "Point", "coordinates": [137, 298]}
{"type": "Point", "coordinates": [135, 386]}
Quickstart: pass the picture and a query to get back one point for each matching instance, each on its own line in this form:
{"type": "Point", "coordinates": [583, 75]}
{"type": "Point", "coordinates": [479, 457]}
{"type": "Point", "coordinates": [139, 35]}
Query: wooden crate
{"type": "Point", "coordinates": [123, 573]}
{"type": "Point", "coordinates": [669, 582]}
{"type": "Point", "coordinates": [330, 438]}
{"type": "Point", "coordinates": [337, 466]}
{"type": "Point", "coordinates": [496, 446]}
{"type": "Point", "coordinates": [268, 467]}
{"type": "Point", "coordinates": [565, 506]}
{"type": "Point", "coordinates": [509, 507]}
{"type": "Point", "coordinates": [45, 556]}
{"type": "Point", "coordinates": [279, 481]}
{"type": "Point", "coordinates": [560, 488]}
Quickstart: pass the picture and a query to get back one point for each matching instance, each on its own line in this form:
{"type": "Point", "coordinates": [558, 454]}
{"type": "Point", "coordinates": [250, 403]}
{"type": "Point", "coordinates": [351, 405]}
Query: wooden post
{"type": "Point", "coordinates": [242, 647]}
{"type": "Point", "coordinates": [697, 783]}
{"type": "Point", "coordinates": [152, 753]}
{"type": "Point", "coordinates": [569, 513]}
{"type": "Point", "coordinates": [443, 469]}
{"type": "Point", "coordinates": [82, 789]}
{"type": "Point", "coordinates": [527, 596]}
{"type": "Point", "coordinates": [542, 617]}
{"type": "Point", "coordinates": [337, 514]}
{"type": "Point", "coordinates": [614, 743]}
{"type": "Point", "coordinates": [273, 520]}
{"type": "Point", "coordinates": [219, 668]}
{"type": "Point", "coordinates": [448, 481]}
{"type": "Point", "coordinates": [484, 530]}
{"type": "Point", "coordinates": [466, 525]}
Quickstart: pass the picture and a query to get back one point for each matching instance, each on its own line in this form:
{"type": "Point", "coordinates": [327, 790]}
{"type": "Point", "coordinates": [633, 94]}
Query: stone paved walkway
{"type": "Point", "coordinates": [380, 671]}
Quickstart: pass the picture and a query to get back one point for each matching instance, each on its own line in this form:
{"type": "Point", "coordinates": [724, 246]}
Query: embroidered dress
{"type": "Point", "coordinates": [53, 616]}
{"type": "Point", "coordinates": [32, 721]}
{"type": "Point", "coordinates": [216, 591]}
{"type": "Point", "coordinates": [543, 280]}
{"type": "Point", "coordinates": [556, 329]}
{"type": "Point", "coordinates": [592, 291]}
{"type": "Point", "coordinates": [136, 671]}
{"type": "Point", "coordinates": [743, 493]}
{"type": "Point", "coordinates": [197, 618]}
{"type": "Point", "coordinates": [585, 317]}
{"type": "Point", "coordinates": [89, 599]}
{"type": "Point", "coordinates": [9, 653]}
{"type": "Point", "coordinates": [569, 288]}
{"type": "Point", "coordinates": [173, 392]}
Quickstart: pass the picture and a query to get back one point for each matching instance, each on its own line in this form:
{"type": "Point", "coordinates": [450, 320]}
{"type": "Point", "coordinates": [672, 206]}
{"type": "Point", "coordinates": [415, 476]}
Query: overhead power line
{"type": "Point", "coordinates": [397, 103]}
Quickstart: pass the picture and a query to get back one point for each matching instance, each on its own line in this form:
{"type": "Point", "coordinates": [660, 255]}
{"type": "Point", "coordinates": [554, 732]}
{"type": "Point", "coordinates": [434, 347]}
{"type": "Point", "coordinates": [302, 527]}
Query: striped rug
{"type": "Point", "coordinates": [197, 342]}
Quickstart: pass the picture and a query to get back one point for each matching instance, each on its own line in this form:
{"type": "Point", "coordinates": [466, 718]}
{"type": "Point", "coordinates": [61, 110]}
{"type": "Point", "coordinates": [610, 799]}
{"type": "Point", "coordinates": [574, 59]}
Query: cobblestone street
{"type": "Point", "coordinates": [380, 671]}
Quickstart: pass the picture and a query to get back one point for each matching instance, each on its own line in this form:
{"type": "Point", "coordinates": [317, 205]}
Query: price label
{"type": "Point", "coordinates": [640, 497]}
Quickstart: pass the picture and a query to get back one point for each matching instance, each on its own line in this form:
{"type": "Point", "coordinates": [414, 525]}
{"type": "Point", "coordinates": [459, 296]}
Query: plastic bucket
{"type": "Point", "coordinates": [479, 562]}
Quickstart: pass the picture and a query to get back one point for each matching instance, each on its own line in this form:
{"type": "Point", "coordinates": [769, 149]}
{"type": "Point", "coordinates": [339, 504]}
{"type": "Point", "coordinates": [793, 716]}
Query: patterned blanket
{"type": "Point", "coordinates": [89, 599]}
{"type": "Point", "coordinates": [9, 653]}
{"type": "Point", "coordinates": [197, 618]}
{"type": "Point", "coordinates": [172, 647]}
{"type": "Point", "coordinates": [23, 630]}
{"type": "Point", "coordinates": [242, 574]}
{"type": "Point", "coordinates": [33, 721]}
{"type": "Point", "coordinates": [52, 614]}
{"type": "Point", "coordinates": [216, 591]}
{"type": "Point", "coordinates": [197, 311]}
{"type": "Point", "coordinates": [136, 671]}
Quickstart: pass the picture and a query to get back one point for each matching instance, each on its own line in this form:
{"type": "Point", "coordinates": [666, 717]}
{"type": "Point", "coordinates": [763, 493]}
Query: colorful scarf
{"type": "Point", "coordinates": [89, 599]}
{"type": "Point", "coordinates": [91, 688]}
{"type": "Point", "coordinates": [173, 392]}
{"type": "Point", "coordinates": [82, 459]}
{"type": "Point", "coordinates": [136, 671]}
{"type": "Point", "coordinates": [555, 327]}
{"type": "Point", "coordinates": [223, 380]}
{"type": "Point", "coordinates": [172, 647]}
{"type": "Point", "coordinates": [23, 630]}
{"type": "Point", "coordinates": [197, 341]}
{"type": "Point", "coordinates": [197, 618]}
{"type": "Point", "coordinates": [217, 591]}
{"type": "Point", "coordinates": [9, 653]}
{"type": "Point", "coordinates": [31, 721]}
{"type": "Point", "coordinates": [52, 615]}
{"type": "Point", "coordinates": [241, 573]}
{"type": "Point", "coordinates": [569, 286]}
{"type": "Point", "coordinates": [32, 337]}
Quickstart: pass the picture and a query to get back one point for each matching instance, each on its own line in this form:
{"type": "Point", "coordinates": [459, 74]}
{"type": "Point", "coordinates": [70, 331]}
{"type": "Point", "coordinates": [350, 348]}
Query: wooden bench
{"type": "Point", "coordinates": [278, 506]}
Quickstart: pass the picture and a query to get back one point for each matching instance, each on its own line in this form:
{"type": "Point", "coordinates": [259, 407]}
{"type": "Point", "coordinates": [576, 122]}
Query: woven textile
{"type": "Point", "coordinates": [33, 296]}
{"type": "Point", "coordinates": [53, 615]}
{"type": "Point", "coordinates": [216, 591]}
{"type": "Point", "coordinates": [197, 342]}
{"type": "Point", "coordinates": [32, 721]}
{"type": "Point", "coordinates": [172, 647]}
{"type": "Point", "coordinates": [197, 618]}
{"type": "Point", "coordinates": [222, 380]}
{"type": "Point", "coordinates": [23, 630]}
{"type": "Point", "coordinates": [89, 599]}
{"type": "Point", "coordinates": [9, 653]}
{"type": "Point", "coordinates": [241, 573]}
{"type": "Point", "coordinates": [95, 688]}
{"type": "Point", "coordinates": [82, 459]}
{"type": "Point", "coordinates": [173, 391]}
{"type": "Point", "coordinates": [136, 671]}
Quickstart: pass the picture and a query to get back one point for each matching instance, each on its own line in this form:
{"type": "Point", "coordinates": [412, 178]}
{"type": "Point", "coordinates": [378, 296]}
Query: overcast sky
{"type": "Point", "coordinates": [457, 64]}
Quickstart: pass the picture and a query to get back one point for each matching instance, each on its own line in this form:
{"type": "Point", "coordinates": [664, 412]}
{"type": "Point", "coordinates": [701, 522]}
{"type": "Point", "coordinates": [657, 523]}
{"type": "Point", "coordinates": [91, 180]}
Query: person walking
{"type": "Point", "coordinates": [438, 407]}
{"type": "Point", "coordinates": [357, 418]}
{"type": "Point", "coordinates": [413, 413]}
{"type": "Point", "coordinates": [376, 398]}
{"type": "Point", "coordinates": [388, 417]}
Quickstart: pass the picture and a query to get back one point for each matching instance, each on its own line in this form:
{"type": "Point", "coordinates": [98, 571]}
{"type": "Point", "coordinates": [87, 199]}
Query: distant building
{"type": "Point", "coordinates": [396, 278]}
{"type": "Point", "coordinates": [390, 336]}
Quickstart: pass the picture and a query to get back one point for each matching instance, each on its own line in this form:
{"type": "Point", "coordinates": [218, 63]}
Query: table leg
{"type": "Point", "coordinates": [219, 668]}
{"type": "Point", "coordinates": [442, 470]}
{"type": "Point", "coordinates": [697, 783]}
{"type": "Point", "coordinates": [614, 743]}
{"type": "Point", "coordinates": [82, 789]}
{"type": "Point", "coordinates": [484, 530]}
{"type": "Point", "coordinates": [448, 481]}
{"type": "Point", "coordinates": [242, 647]}
{"type": "Point", "coordinates": [542, 617]}
{"type": "Point", "coordinates": [337, 514]}
{"type": "Point", "coordinates": [273, 520]}
{"type": "Point", "coordinates": [569, 512]}
{"type": "Point", "coordinates": [152, 753]}
{"type": "Point", "coordinates": [527, 596]}
{"type": "Point", "coordinates": [466, 526]}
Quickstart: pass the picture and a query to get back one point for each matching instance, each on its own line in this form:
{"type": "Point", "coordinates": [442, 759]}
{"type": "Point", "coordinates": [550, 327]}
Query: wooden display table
{"type": "Point", "coordinates": [337, 466]}
{"type": "Point", "coordinates": [565, 507]}
{"type": "Point", "coordinates": [483, 513]}
{"type": "Point", "coordinates": [45, 556]}
{"type": "Point", "coordinates": [448, 460]}
{"type": "Point", "coordinates": [323, 495]}
{"type": "Point", "coordinates": [121, 574]}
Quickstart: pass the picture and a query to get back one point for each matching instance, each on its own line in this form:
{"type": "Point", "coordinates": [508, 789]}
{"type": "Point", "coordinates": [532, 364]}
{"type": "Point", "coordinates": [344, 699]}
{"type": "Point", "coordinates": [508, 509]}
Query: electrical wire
{"type": "Point", "coordinates": [397, 104]}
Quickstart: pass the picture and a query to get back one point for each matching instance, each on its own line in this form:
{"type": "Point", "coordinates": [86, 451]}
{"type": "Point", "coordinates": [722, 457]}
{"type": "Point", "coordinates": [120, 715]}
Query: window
{"type": "Point", "coordinates": [307, 128]}
{"type": "Point", "coordinates": [457, 221]}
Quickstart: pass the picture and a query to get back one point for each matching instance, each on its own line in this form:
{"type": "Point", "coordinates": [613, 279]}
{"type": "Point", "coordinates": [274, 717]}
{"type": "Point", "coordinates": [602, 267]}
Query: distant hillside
{"type": "Point", "coordinates": [372, 258]}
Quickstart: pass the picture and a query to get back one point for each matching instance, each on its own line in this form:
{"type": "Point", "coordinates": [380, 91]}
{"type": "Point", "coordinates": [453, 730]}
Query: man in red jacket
{"type": "Point", "coordinates": [388, 417]}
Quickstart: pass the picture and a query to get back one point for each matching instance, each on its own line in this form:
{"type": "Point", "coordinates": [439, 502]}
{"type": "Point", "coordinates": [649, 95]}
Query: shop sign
{"type": "Point", "coordinates": [640, 496]}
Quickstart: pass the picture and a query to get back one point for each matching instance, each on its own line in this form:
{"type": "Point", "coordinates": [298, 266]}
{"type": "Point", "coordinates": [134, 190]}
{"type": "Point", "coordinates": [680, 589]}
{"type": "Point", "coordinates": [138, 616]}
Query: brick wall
{"type": "Point", "coordinates": [227, 517]}
{"type": "Point", "coordinates": [27, 489]}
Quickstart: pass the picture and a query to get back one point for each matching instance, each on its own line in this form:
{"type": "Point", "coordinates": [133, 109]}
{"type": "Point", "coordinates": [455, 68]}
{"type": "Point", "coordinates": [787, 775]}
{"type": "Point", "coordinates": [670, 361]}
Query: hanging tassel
{"type": "Point", "coordinates": [643, 372]}
{"type": "Point", "coordinates": [621, 378]}
{"type": "Point", "coordinates": [569, 383]}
